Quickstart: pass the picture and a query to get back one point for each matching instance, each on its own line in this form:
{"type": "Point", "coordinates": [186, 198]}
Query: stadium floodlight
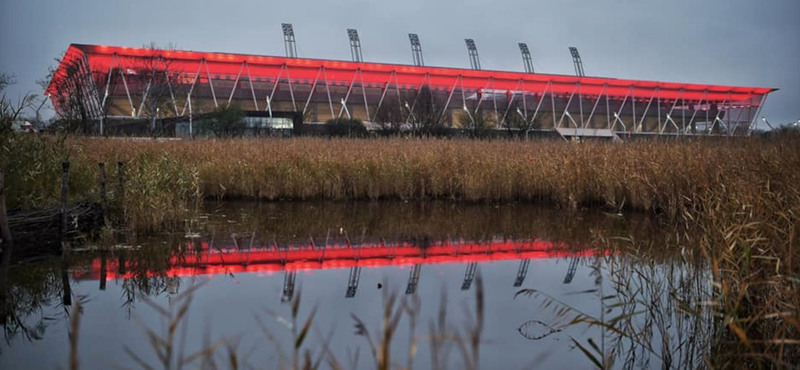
{"type": "Point", "coordinates": [472, 120]}
{"type": "Point", "coordinates": [571, 119]}
{"type": "Point", "coordinates": [410, 111]}
{"type": "Point", "coordinates": [344, 105]}
{"type": "Point", "coordinates": [289, 44]}
{"type": "Point", "coordinates": [287, 29]}
{"type": "Point", "coordinates": [472, 50]}
{"type": "Point", "coordinates": [355, 45]}
{"type": "Point", "coordinates": [576, 61]}
{"type": "Point", "coordinates": [416, 49]}
{"type": "Point", "coordinates": [352, 34]}
{"type": "Point", "coordinates": [414, 39]}
{"type": "Point", "coordinates": [526, 57]}
{"type": "Point", "coordinates": [470, 44]}
{"type": "Point", "coordinates": [522, 115]}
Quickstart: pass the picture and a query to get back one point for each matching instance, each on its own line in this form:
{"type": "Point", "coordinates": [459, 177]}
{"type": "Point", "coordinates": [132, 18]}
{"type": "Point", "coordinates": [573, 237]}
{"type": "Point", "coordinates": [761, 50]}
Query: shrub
{"type": "Point", "coordinates": [346, 128]}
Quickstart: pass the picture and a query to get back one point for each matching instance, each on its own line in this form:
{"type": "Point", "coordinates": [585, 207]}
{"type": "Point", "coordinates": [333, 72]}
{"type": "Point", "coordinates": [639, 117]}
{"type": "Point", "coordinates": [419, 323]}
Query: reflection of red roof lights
{"type": "Point", "coordinates": [213, 262]}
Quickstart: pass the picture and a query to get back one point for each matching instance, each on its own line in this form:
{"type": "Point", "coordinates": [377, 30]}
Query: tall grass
{"type": "Point", "coordinates": [743, 241]}
{"type": "Point", "coordinates": [662, 176]}
{"type": "Point", "coordinates": [32, 166]}
{"type": "Point", "coordinates": [655, 176]}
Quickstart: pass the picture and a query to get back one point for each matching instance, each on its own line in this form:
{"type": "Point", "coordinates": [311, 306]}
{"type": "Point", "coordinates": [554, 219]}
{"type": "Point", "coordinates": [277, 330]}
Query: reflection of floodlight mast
{"type": "Point", "coordinates": [573, 266]}
{"type": "Point", "coordinates": [526, 57]}
{"type": "Point", "coordinates": [355, 45]}
{"type": "Point", "coordinates": [416, 49]}
{"type": "Point", "coordinates": [469, 275]}
{"type": "Point", "coordinates": [288, 285]}
{"type": "Point", "coordinates": [576, 60]}
{"type": "Point", "coordinates": [288, 40]}
{"type": "Point", "coordinates": [352, 282]}
{"type": "Point", "coordinates": [413, 279]}
{"type": "Point", "coordinates": [474, 61]}
{"type": "Point", "coordinates": [522, 272]}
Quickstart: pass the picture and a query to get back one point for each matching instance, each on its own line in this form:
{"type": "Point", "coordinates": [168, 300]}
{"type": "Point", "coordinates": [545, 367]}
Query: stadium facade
{"type": "Point", "coordinates": [119, 83]}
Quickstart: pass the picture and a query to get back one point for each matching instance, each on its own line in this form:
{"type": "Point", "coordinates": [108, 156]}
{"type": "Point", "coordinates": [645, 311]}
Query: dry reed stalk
{"type": "Point", "coordinates": [74, 333]}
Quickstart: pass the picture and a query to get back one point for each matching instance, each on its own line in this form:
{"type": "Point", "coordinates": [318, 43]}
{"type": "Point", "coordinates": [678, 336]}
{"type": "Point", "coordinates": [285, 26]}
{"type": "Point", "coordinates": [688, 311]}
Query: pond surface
{"type": "Point", "coordinates": [243, 265]}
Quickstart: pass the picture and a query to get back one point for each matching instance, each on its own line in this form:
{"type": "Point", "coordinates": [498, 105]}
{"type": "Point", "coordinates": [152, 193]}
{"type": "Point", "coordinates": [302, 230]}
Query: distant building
{"type": "Point", "coordinates": [23, 126]}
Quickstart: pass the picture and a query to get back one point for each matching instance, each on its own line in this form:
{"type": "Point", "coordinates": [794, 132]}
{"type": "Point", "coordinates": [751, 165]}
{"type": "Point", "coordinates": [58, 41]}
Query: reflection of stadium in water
{"type": "Point", "coordinates": [203, 258]}
{"type": "Point", "coordinates": [342, 256]}
{"type": "Point", "coordinates": [267, 238]}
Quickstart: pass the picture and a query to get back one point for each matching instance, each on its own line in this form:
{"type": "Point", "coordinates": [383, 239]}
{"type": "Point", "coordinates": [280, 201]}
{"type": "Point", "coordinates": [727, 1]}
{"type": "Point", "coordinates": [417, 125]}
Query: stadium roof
{"type": "Point", "coordinates": [305, 70]}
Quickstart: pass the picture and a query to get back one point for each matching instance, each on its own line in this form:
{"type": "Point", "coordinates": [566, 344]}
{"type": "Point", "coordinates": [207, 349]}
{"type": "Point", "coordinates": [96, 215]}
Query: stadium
{"type": "Point", "coordinates": [111, 85]}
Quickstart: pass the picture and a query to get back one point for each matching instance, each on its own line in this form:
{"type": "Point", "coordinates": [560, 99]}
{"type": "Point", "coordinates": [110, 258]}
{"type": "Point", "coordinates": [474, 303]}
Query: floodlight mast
{"type": "Point", "coordinates": [474, 61]}
{"type": "Point", "coordinates": [576, 60]}
{"type": "Point", "coordinates": [288, 40]}
{"type": "Point", "coordinates": [355, 45]}
{"type": "Point", "coordinates": [416, 49]}
{"type": "Point", "coordinates": [526, 57]}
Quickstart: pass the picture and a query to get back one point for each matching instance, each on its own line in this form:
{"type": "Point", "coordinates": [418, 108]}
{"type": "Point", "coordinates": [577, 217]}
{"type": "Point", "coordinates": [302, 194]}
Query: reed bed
{"type": "Point", "coordinates": [663, 176]}
{"type": "Point", "coordinates": [666, 177]}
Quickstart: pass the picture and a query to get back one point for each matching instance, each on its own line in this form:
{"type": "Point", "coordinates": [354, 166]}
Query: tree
{"type": "Point", "coordinates": [426, 111]}
{"type": "Point", "coordinates": [513, 118]}
{"type": "Point", "coordinates": [477, 123]}
{"type": "Point", "coordinates": [5, 81]}
{"type": "Point", "coordinates": [159, 85]}
{"type": "Point", "coordinates": [225, 121]}
{"type": "Point", "coordinates": [390, 116]}
{"type": "Point", "coordinates": [9, 111]}
{"type": "Point", "coordinates": [351, 127]}
{"type": "Point", "coordinates": [79, 93]}
{"type": "Point", "coordinates": [71, 88]}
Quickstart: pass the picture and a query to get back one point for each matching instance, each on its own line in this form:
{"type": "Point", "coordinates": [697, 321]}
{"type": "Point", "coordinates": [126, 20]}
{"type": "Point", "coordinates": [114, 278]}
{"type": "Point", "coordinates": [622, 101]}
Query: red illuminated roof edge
{"type": "Point", "coordinates": [73, 51]}
{"type": "Point", "coordinates": [348, 65]}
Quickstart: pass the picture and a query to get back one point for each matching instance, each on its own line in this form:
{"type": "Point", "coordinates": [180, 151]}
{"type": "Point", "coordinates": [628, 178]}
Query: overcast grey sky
{"type": "Point", "coordinates": [727, 42]}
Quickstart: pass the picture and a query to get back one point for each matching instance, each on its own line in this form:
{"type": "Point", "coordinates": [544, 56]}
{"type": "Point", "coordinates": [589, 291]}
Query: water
{"type": "Point", "coordinates": [245, 264]}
